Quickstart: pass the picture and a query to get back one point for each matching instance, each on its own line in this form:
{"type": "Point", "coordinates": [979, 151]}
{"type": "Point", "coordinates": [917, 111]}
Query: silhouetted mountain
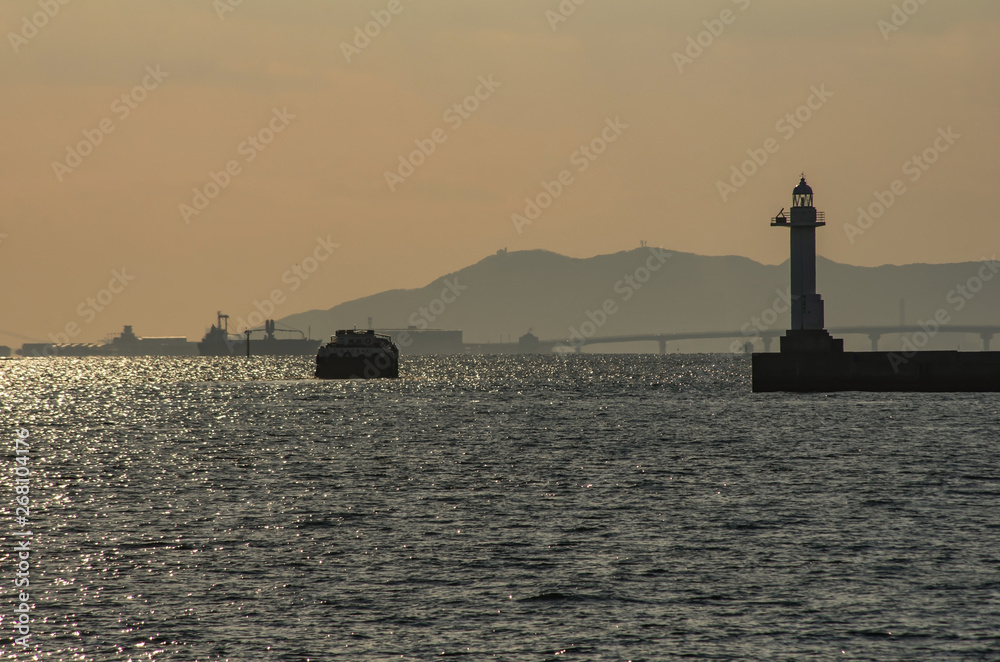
{"type": "Point", "coordinates": [652, 290]}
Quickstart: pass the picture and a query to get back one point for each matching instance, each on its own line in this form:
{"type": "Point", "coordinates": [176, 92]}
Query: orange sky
{"type": "Point", "coordinates": [333, 128]}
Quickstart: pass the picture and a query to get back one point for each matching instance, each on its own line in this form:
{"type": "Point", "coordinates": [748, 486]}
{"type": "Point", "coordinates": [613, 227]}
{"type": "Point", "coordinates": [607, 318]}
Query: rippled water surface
{"type": "Point", "coordinates": [511, 508]}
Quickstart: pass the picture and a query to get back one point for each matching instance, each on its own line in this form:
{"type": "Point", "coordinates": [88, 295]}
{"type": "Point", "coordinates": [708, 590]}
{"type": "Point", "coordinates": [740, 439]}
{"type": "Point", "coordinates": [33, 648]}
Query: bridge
{"type": "Point", "coordinates": [874, 333]}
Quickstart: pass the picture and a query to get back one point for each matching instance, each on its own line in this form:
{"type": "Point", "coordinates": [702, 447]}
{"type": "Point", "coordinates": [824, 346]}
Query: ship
{"type": "Point", "coordinates": [358, 354]}
{"type": "Point", "coordinates": [218, 341]}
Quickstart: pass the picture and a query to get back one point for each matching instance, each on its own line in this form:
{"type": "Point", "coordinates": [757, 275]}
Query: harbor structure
{"type": "Point", "coordinates": [126, 343]}
{"type": "Point", "coordinates": [219, 341]}
{"type": "Point", "coordinates": [811, 360]}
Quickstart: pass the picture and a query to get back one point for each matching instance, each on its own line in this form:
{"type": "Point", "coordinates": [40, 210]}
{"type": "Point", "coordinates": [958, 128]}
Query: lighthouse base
{"type": "Point", "coordinates": [876, 371]}
{"type": "Point", "coordinates": [810, 340]}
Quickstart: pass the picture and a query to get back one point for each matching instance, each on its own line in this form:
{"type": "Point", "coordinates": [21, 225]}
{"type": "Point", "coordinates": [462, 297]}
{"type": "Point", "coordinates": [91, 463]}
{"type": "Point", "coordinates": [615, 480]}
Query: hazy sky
{"type": "Point", "coordinates": [114, 112]}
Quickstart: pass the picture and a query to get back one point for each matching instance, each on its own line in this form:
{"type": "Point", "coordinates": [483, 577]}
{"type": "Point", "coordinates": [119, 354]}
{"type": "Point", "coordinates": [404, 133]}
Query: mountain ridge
{"type": "Point", "coordinates": [656, 290]}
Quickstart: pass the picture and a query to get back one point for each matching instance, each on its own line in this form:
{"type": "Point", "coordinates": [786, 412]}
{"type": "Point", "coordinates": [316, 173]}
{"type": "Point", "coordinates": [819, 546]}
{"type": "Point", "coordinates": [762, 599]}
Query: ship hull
{"type": "Point", "coordinates": [374, 365]}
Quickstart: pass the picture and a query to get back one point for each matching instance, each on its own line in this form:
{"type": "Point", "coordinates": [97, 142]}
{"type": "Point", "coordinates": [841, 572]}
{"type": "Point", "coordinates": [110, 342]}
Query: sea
{"type": "Point", "coordinates": [583, 507]}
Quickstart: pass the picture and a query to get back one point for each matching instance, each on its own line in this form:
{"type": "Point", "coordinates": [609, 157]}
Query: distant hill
{"type": "Point", "coordinates": [652, 290]}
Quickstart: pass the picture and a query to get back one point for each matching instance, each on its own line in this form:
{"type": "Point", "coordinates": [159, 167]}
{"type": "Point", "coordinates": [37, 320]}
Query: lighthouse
{"type": "Point", "coordinates": [811, 360]}
{"type": "Point", "coordinates": [807, 332]}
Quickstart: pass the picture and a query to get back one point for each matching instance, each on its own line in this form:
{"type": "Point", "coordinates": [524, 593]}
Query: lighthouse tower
{"type": "Point", "coordinates": [807, 333]}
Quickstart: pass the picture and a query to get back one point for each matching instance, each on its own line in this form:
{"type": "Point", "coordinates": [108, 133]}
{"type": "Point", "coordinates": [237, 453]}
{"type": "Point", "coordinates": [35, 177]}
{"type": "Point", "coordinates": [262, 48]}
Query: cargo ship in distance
{"type": "Point", "coordinates": [218, 341]}
{"type": "Point", "coordinates": [358, 354]}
